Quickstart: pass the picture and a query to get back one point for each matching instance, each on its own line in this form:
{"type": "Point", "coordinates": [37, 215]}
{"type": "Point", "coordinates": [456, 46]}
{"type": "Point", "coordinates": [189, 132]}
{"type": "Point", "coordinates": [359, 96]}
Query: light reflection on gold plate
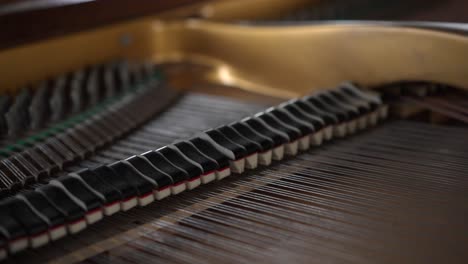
{"type": "Point", "coordinates": [282, 61]}
{"type": "Point", "coordinates": [291, 60]}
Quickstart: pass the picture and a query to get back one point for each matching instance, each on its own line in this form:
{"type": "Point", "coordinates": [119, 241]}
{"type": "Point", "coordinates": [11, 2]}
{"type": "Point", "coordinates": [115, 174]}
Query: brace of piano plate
{"type": "Point", "coordinates": [283, 61]}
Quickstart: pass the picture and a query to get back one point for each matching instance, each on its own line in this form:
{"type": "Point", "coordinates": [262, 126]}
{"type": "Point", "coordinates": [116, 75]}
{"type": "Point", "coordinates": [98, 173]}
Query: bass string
{"type": "Point", "coordinates": [383, 165]}
{"type": "Point", "coordinates": [358, 181]}
{"type": "Point", "coordinates": [386, 176]}
{"type": "Point", "coordinates": [390, 162]}
{"type": "Point", "coordinates": [370, 148]}
{"type": "Point", "coordinates": [394, 135]}
{"type": "Point", "coordinates": [176, 128]}
{"type": "Point", "coordinates": [376, 210]}
{"type": "Point", "coordinates": [436, 147]}
{"type": "Point", "coordinates": [183, 126]}
{"type": "Point", "coordinates": [272, 192]}
{"type": "Point", "coordinates": [223, 219]}
{"type": "Point", "coordinates": [421, 129]}
{"type": "Point", "coordinates": [236, 109]}
{"type": "Point", "coordinates": [129, 234]}
{"type": "Point", "coordinates": [438, 108]}
{"type": "Point", "coordinates": [453, 103]}
{"type": "Point", "coordinates": [196, 224]}
{"type": "Point", "coordinates": [248, 203]}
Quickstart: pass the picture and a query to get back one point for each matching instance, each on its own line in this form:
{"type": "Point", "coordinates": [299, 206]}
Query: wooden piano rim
{"type": "Point", "coordinates": [281, 61]}
{"type": "Point", "coordinates": [25, 21]}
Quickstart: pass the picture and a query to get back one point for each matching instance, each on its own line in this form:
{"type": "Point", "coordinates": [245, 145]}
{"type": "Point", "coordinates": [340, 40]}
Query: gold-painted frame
{"type": "Point", "coordinates": [281, 61]}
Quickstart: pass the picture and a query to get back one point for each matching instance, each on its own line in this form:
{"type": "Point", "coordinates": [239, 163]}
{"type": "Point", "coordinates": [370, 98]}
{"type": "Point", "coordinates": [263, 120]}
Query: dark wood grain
{"type": "Point", "coordinates": [27, 21]}
{"type": "Point", "coordinates": [448, 11]}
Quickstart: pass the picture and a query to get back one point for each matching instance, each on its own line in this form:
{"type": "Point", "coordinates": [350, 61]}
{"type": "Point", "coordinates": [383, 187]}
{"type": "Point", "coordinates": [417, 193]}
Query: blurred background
{"type": "Point", "coordinates": [28, 20]}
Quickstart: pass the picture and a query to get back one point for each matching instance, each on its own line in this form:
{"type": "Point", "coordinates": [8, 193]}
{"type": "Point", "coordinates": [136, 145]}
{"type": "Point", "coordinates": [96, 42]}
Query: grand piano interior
{"type": "Point", "coordinates": [233, 131]}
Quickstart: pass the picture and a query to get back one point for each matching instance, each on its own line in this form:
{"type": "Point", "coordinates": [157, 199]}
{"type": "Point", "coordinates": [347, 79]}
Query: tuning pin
{"type": "Point", "coordinates": [416, 89]}
{"type": "Point", "coordinates": [432, 88]}
{"type": "Point", "coordinates": [78, 91]}
{"type": "Point", "coordinates": [17, 117]}
{"type": "Point", "coordinates": [39, 109]}
{"type": "Point", "coordinates": [148, 70]}
{"type": "Point", "coordinates": [136, 75]}
{"type": "Point", "coordinates": [122, 76]}
{"type": "Point", "coordinates": [107, 81]}
{"type": "Point", "coordinates": [60, 99]}
{"type": "Point", "coordinates": [5, 103]}
{"type": "Point", "coordinates": [93, 89]}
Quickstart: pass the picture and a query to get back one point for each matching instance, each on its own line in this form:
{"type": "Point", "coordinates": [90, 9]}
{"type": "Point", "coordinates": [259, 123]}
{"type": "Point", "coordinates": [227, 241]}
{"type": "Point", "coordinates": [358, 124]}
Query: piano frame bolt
{"type": "Point", "coordinates": [126, 40]}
